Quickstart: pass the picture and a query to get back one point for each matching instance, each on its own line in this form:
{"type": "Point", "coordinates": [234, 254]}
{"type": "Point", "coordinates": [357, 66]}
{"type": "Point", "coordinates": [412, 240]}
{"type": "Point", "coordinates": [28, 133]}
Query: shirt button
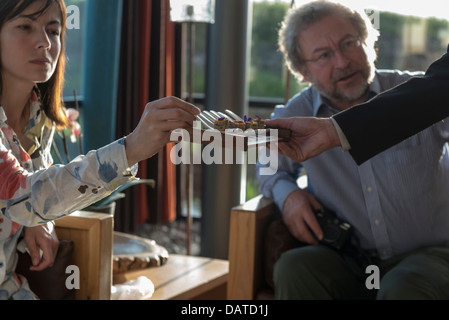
{"type": "Point", "coordinates": [369, 189]}
{"type": "Point", "coordinates": [376, 222]}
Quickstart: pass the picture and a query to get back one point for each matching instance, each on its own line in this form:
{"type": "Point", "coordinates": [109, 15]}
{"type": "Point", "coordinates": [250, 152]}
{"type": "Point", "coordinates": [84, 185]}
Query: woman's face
{"type": "Point", "coordinates": [30, 45]}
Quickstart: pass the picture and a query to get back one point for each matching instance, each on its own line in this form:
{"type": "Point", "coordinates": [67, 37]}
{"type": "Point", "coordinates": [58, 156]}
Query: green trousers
{"type": "Point", "coordinates": [317, 272]}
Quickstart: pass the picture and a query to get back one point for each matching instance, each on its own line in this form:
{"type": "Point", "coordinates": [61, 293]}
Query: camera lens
{"type": "Point", "coordinates": [331, 233]}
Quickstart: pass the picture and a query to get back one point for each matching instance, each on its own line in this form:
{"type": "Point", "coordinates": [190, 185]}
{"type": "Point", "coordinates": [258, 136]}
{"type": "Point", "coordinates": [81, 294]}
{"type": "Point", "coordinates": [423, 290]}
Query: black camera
{"type": "Point", "coordinates": [336, 232]}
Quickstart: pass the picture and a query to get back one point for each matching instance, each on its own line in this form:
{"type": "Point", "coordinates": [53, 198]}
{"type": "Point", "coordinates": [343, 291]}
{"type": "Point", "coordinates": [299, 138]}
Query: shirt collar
{"type": "Point", "coordinates": [36, 122]}
{"type": "Point", "coordinates": [35, 106]}
{"type": "Point", "coordinates": [3, 117]}
{"type": "Point", "coordinates": [319, 101]}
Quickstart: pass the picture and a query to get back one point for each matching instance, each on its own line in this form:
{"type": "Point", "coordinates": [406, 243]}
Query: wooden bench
{"type": "Point", "coordinates": [249, 222]}
{"type": "Point", "coordinates": [184, 278]}
{"type": "Point", "coordinates": [92, 234]}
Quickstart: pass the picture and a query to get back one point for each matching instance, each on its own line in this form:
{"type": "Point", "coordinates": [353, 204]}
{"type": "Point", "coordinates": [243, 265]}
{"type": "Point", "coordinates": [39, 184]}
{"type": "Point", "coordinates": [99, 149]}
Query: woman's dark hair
{"type": "Point", "coordinates": [51, 90]}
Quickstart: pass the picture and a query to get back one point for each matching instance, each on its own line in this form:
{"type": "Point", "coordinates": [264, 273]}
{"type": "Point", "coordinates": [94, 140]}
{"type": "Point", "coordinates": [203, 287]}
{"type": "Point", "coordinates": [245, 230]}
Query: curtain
{"type": "Point", "coordinates": [147, 73]}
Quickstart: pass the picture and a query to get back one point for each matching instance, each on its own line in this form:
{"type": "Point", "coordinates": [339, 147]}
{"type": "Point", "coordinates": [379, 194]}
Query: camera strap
{"type": "Point", "coordinates": [356, 258]}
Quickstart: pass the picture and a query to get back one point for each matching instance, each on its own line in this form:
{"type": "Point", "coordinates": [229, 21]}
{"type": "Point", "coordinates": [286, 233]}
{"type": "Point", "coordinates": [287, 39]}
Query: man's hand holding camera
{"type": "Point", "coordinates": [309, 222]}
{"type": "Point", "coordinates": [298, 215]}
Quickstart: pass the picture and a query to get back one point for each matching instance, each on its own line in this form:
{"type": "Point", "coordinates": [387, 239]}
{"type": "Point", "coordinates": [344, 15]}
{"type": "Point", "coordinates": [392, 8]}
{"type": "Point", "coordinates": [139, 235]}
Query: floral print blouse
{"type": "Point", "coordinates": [33, 191]}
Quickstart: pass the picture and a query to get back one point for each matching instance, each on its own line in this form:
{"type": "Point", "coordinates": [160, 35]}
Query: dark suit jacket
{"type": "Point", "coordinates": [398, 113]}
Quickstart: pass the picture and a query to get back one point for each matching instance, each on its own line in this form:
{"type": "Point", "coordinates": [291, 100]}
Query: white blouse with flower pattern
{"type": "Point", "coordinates": [33, 191]}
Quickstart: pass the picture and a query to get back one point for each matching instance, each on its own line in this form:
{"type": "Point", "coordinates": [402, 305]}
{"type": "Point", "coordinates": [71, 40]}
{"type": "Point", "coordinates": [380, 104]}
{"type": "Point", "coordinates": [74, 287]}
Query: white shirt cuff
{"type": "Point", "coordinates": [343, 140]}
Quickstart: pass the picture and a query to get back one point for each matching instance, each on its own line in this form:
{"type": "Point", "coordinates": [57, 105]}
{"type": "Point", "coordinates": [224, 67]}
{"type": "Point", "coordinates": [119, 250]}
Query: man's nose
{"type": "Point", "coordinates": [340, 59]}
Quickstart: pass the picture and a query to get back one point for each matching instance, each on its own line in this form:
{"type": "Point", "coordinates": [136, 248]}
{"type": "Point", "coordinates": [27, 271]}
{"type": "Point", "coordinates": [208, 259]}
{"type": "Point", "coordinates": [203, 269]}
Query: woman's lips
{"type": "Point", "coordinates": [41, 62]}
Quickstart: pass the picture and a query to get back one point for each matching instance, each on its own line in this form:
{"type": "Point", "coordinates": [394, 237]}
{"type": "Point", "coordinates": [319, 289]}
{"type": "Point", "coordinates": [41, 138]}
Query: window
{"type": "Point", "coordinates": [267, 66]}
{"type": "Point", "coordinates": [412, 36]}
{"type": "Point", "coordinates": [74, 47]}
{"type": "Point", "coordinates": [63, 150]}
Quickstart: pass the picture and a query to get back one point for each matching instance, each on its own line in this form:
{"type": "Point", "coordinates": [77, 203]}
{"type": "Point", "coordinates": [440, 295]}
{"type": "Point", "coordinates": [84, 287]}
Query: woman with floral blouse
{"type": "Point", "coordinates": [33, 192]}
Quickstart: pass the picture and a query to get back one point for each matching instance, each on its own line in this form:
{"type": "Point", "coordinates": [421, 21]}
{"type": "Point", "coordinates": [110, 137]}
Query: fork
{"type": "Point", "coordinates": [208, 118]}
{"type": "Point", "coordinates": [232, 114]}
{"type": "Point", "coordinates": [282, 133]}
{"type": "Point", "coordinates": [215, 115]}
{"type": "Point", "coordinates": [205, 120]}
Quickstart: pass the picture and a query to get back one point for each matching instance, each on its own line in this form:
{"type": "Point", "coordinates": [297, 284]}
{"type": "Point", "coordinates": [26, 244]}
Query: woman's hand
{"type": "Point", "coordinates": [43, 238]}
{"type": "Point", "coordinates": [159, 119]}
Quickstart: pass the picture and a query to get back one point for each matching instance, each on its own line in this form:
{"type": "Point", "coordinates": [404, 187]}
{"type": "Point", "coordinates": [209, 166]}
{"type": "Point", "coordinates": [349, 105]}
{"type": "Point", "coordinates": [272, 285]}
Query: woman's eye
{"type": "Point", "coordinates": [55, 33]}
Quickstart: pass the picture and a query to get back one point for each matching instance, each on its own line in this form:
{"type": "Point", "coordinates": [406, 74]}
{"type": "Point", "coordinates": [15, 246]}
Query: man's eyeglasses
{"type": "Point", "coordinates": [346, 47]}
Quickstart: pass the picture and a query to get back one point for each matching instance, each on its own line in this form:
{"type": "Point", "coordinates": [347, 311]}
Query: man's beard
{"type": "Point", "coordinates": [354, 91]}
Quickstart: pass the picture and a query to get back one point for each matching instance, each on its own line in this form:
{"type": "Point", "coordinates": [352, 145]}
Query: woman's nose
{"type": "Point", "coordinates": [42, 40]}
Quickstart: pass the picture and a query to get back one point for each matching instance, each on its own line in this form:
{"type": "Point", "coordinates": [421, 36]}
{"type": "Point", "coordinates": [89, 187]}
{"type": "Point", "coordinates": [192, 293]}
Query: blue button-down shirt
{"type": "Point", "coordinates": [397, 201]}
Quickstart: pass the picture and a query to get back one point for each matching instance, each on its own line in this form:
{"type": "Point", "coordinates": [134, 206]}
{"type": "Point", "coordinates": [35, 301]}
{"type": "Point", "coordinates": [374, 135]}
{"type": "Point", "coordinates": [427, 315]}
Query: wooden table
{"type": "Point", "coordinates": [184, 278]}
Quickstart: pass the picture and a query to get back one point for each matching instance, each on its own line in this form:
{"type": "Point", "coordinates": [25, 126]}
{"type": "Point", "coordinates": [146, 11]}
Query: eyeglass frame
{"type": "Point", "coordinates": [332, 52]}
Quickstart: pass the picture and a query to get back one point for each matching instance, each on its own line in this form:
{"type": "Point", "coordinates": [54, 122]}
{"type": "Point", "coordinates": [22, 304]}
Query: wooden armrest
{"type": "Point", "coordinates": [92, 234]}
{"type": "Point", "coordinates": [247, 227]}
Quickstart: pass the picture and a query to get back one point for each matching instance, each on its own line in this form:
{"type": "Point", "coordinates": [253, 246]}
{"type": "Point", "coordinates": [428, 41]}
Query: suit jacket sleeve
{"type": "Point", "coordinates": [398, 113]}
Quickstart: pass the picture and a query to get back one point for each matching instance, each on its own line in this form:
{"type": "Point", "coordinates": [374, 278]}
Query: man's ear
{"type": "Point", "coordinates": [305, 78]}
{"type": "Point", "coordinates": [305, 74]}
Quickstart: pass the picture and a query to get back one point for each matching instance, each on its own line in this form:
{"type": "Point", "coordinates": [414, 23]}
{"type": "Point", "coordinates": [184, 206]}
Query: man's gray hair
{"type": "Point", "coordinates": [301, 18]}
